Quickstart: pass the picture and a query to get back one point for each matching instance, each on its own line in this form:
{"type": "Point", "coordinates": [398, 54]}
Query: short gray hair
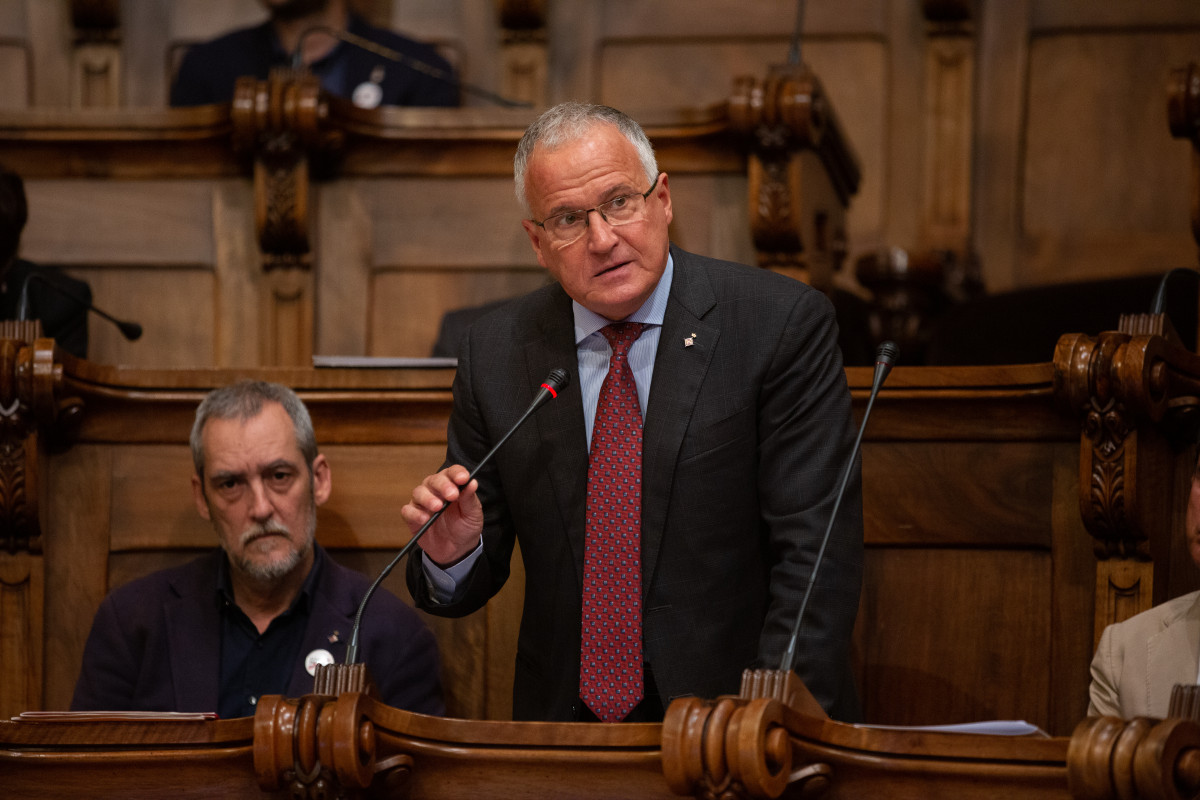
{"type": "Point", "coordinates": [244, 401]}
{"type": "Point", "coordinates": [569, 121]}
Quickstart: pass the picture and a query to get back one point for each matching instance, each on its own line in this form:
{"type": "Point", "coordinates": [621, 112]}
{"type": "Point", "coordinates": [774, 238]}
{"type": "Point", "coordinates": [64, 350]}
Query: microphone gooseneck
{"type": "Point", "coordinates": [415, 64]}
{"type": "Point", "coordinates": [130, 330]}
{"type": "Point", "coordinates": [797, 32]}
{"type": "Point", "coordinates": [557, 380]}
{"type": "Point", "coordinates": [885, 359]}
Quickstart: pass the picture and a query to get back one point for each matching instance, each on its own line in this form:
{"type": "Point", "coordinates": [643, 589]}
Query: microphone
{"type": "Point", "coordinates": [130, 330]}
{"type": "Point", "coordinates": [1158, 305]}
{"type": "Point", "coordinates": [557, 380]}
{"type": "Point", "coordinates": [794, 49]}
{"type": "Point", "coordinates": [414, 64]}
{"type": "Point", "coordinates": [885, 359]}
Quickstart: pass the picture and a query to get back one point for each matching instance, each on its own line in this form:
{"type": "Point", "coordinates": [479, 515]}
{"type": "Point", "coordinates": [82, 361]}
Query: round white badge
{"type": "Point", "coordinates": [316, 658]}
{"type": "Point", "coordinates": [367, 95]}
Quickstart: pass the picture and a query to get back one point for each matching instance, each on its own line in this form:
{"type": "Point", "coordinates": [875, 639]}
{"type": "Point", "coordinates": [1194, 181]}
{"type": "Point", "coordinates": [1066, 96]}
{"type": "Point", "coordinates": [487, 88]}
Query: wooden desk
{"type": "Point", "coordinates": [733, 748]}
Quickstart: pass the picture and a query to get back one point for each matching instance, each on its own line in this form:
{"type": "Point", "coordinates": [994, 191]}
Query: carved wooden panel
{"type": "Point", "coordinates": [22, 590]}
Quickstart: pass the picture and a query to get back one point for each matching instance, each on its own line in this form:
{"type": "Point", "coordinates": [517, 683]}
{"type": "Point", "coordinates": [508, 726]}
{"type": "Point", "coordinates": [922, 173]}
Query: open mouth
{"type": "Point", "coordinates": [613, 268]}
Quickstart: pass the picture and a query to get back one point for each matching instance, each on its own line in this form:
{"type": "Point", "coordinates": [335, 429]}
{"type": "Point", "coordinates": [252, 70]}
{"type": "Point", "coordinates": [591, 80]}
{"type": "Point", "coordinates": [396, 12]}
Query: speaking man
{"type": "Point", "coordinates": [670, 503]}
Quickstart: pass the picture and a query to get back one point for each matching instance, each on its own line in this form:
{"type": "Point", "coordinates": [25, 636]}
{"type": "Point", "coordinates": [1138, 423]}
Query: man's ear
{"type": "Point", "coordinates": [535, 234]}
{"type": "Point", "coordinates": [663, 192]}
{"type": "Point", "coordinates": [322, 477]}
{"type": "Point", "coordinates": [198, 496]}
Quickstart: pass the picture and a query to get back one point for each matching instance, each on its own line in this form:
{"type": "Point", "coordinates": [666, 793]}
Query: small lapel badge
{"type": "Point", "coordinates": [315, 659]}
{"type": "Point", "coordinates": [689, 341]}
{"type": "Point", "coordinates": [335, 637]}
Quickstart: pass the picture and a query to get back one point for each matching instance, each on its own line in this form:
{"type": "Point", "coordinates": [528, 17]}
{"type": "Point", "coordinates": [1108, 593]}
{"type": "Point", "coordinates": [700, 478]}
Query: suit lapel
{"type": "Point", "coordinates": [194, 637]}
{"type": "Point", "coordinates": [560, 423]}
{"type": "Point", "coordinates": [1172, 657]}
{"type": "Point", "coordinates": [330, 623]}
{"type": "Point", "coordinates": [679, 370]}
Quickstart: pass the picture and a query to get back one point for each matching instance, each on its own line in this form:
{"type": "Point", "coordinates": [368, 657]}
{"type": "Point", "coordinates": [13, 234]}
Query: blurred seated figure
{"type": "Point", "coordinates": [58, 300]}
{"type": "Point", "coordinates": [1022, 326]}
{"type": "Point", "coordinates": [1139, 661]}
{"type": "Point", "coordinates": [209, 70]}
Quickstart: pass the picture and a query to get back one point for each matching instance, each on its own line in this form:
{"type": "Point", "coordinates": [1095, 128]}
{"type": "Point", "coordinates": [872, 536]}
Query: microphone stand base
{"type": "Point", "coordinates": [336, 679]}
{"type": "Point", "coordinates": [781, 685]}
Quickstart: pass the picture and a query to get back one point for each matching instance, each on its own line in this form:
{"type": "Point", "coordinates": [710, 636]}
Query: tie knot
{"type": "Point", "coordinates": [621, 335]}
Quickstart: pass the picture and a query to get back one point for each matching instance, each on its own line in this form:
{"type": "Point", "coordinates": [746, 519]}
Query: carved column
{"type": "Point", "coordinates": [1137, 400]}
{"type": "Point", "coordinates": [523, 56]}
{"type": "Point", "coordinates": [96, 57]}
{"type": "Point", "coordinates": [949, 115]}
{"type": "Point", "coordinates": [1115, 759]}
{"type": "Point", "coordinates": [278, 123]}
{"type": "Point", "coordinates": [734, 748]}
{"type": "Point", "coordinates": [324, 747]}
{"type": "Point", "coordinates": [32, 409]}
{"type": "Point", "coordinates": [802, 173]}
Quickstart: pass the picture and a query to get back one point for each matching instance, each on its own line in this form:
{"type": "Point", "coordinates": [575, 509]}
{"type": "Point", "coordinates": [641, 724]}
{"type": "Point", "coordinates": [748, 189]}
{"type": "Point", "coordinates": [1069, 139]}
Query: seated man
{"type": "Point", "coordinates": [257, 615]}
{"type": "Point", "coordinates": [1139, 661]}
{"type": "Point", "coordinates": [423, 78]}
{"type": "Point", "coordinates": [52, 296]}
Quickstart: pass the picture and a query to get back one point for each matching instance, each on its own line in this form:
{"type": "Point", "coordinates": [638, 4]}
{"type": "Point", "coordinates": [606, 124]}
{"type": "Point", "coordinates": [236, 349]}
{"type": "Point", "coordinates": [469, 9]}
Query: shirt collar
{"type": "Point", "coordinates": [651, 312]}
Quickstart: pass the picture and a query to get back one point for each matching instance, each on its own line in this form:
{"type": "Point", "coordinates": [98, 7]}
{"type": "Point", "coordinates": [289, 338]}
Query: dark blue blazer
{"type": "Point", "coordinates": [748, 431]}
{"type": "Point", "coordinates": [210, 69]}
{"type": "Point", "coordinates": [155, 642]}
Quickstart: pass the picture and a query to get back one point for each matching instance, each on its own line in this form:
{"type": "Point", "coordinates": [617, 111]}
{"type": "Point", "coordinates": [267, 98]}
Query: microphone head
{"type": "Point", "coordinates": [557, 380]}
{"type": "Point", "coordinates": [130, 330]}
{"type": "Point", "coordinates": [887, 354]}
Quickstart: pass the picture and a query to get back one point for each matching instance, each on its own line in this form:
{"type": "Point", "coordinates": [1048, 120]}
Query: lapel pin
{"type": "Point", "coordinates": [689, 341]}
{"type": "Point", "coordinates": [335, 637]}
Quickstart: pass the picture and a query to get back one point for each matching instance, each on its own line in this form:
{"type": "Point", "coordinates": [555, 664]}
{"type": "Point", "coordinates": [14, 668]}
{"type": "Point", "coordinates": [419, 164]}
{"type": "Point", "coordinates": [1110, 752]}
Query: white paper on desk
{"type": "Point", "coordinates": [994, 727]}
{"type": "Point", "coordinates": [382, 362]}
{"type": "Point", "coordinates": [111, 716]}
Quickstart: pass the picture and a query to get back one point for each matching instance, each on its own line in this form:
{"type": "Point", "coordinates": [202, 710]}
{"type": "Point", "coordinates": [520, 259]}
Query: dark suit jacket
{"type": "Point", "coordinates": [746, 437]}
{"type": "Point", "coordinates": [210, 69]}
{"type": "Point", "coordinates": [155, 642]}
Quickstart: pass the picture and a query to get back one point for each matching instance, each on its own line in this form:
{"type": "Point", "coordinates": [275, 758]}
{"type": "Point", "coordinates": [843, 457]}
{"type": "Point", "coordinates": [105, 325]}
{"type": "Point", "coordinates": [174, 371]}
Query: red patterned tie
{"type": "Point", "coordinates": [610, 672]}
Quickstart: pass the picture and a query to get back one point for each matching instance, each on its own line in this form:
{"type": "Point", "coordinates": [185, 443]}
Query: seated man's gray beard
{"type": "Point", "coordinates": [273, 570]}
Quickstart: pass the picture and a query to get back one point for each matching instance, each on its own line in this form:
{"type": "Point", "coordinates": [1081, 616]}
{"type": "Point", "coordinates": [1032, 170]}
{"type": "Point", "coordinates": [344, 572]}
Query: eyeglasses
{"type": "Point", "coordinates": [570, 226]}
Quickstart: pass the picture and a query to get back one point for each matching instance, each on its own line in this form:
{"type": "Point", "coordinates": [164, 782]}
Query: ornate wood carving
{"type": "Point", "coordinates": [733, 748]}
{"type": "Point", "coordinates": [1114, 759]}
{"type": "Point", "coordinates": [797, 204]}
{"type": "Point", "coordinates": [1133, 394]}
{"type": "Point", "coordinates": [33, 407]}
{"type": "Point", "coordinates": [321, 747]}
{"type": "Point", "coordinates": [279, 123]}
{"type": "Point", "coordinates": [949, 113]}
{"type": "Point", "coordinates": [1119, 383]}
{"type": "Point", "coordinates": [31, 400]}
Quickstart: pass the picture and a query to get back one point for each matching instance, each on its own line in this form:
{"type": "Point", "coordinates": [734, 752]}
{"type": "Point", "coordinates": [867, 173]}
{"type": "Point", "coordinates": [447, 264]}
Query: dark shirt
{"type": "Point", "coordinates": [253, 663]}
{"type": "Point", "coordinates": [209, 70]}
{"type": "Point", "coordinates": [55, 298]}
